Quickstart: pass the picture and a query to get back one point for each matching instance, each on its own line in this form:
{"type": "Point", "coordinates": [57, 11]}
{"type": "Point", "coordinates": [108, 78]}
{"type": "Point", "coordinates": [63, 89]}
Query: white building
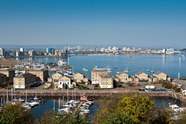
{"type": "Point", "coordinates": [31, 53]}
{"type": "Point", "coordinates": [65, 81]}
{"type": "Point", "coordinates": [2, 52]}
{"type": "Point", "coordinates": [21, 49]}
{"type": "Point", "coordinates": [170, 51]}
{"type": "Point", "coordinates": [18, 54]}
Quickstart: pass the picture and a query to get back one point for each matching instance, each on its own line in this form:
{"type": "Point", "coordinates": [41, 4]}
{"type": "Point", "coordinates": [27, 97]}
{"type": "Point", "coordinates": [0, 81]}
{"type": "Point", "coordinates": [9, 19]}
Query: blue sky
{"type": "Point", "coordinates": [142, 23]}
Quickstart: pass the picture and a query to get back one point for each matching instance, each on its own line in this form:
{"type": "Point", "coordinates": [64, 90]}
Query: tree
{"type": "Point", "coordinates": [126, 110]}
{"type": "Point", "coordinates": [159, 116]}
{"type": "Point", "coordinates": [136, 107]}
{"type": "Point", "coordinates": [117, 118]}
{"type": "Point", "coordinates": [15, 114]}
{"type": "Point", "coordinates": [51, 117]}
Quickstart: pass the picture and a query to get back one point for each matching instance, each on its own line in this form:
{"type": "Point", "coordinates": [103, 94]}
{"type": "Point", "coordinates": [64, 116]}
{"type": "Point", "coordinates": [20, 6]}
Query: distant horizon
{"type": "Point", "coordinates": [138, 23]}
{"type": "Point", "coordinates": [76, 45]}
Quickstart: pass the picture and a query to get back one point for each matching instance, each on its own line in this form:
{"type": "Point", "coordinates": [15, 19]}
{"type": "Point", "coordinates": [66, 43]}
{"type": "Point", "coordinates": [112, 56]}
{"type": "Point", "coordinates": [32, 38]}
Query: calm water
{"type": "Point", "coordinates": [170, 64]}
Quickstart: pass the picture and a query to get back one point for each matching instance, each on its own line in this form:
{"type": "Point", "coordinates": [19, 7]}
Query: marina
{"type": "Point", "coordinates": [56, 104]}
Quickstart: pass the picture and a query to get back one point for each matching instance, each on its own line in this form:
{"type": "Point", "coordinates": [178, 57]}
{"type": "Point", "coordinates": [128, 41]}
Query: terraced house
{"type": "Point", "coordinates": [24, 81]}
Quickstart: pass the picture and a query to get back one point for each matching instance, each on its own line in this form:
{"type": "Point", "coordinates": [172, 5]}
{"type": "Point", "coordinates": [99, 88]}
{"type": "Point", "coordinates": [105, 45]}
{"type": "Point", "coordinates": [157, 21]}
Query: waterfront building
{"type": "Point", "coordinates": [24, 81]}
{"type": "Point", "coordinates": [142, 76]}
{"type": "Point", "coordinates": [160, 76]}
{"type": "Point", "coordinates": [21, 49]}
{"type": "Point", "coordinates": [55, 77]}
{"type": "Point", "coordinates": [78, 77]}
{"type": "Point", "coordinates": [95, 74]}
{"type": "Point", "coordinates": [170, 51]}
{"type": "Point", "coordinates": [50, 51]}
{"type": "Point", "coordinates": [18, 54]}
{"type": "Point", "coordinates": [31, 53]}
{"type": "Point", "coordinates": [3, 79]}
{"type": "Point", "coordinates": [65, 82]}
{"type": "Point", "coordinates": [2, 52]}
{"type": "Point", "coordinates": [10, 74]}
{"type": "Point", "coordinates": [42, 75]}
{"type": "Point", "coordinates": [106, 81]}
{"type": "Point", "coordinates": [123, 77]}
{"type": "Point", "coordinates": [60, 81]}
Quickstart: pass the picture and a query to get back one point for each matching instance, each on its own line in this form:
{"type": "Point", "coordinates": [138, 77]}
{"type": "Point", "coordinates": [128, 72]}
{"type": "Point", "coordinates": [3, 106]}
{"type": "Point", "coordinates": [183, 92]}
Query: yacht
{"type": "Point", "coordinates": [176, 108]}
{"type": "Point", "coordinates": [85, 69]}
{"type": "Point", "coordinates": [108, 69]}
{"type": "Point", "coordinates": [62, 110]}
{"type": "Point", "coordinates": [126, 70]}
{"type": "Point", "coordinates": [33, 103]}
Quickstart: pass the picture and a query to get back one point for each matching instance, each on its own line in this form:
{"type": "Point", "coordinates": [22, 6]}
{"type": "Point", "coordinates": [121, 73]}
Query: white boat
{"type": "Point", "coordinates": [33, 103]}
{"type": "Point", "coordinates": [69, 105]}
{"type": "Point", "coordinates": [21, 100]}
{"type": "Point", "coordinates": [176, 108]}
{"type": "Point", "coordinates": [37, 99]}
{"type": "Point", "coordinates": [108, 69]}
{"type": "Point", "coordinates": [85, 69]}
{"type": "Point", "coordinates": [62, 110]}
{"type": "Point", "coordinates": [18, 100]}
{"type": "Point", "coordinates": [126, 70]}
{"type": "Point", "coordinates": [25, 105]}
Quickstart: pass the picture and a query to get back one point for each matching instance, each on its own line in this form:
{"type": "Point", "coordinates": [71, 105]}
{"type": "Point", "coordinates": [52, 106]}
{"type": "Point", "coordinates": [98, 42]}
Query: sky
{"type": "Point", "coordinates": [140, 23]}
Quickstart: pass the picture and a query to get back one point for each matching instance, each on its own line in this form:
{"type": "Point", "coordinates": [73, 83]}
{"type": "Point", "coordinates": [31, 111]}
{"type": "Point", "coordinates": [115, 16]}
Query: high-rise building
{"type": "Point", "coordinates": [21, 49]}
{"type": "Point", "coordinates": [18, 54]}
{"type": "Point", "coordinates": [50, 51]}
{"type": "Point", "coordinates": [31, 53]}
{"type": "Point", "coordinates": [2, 52]}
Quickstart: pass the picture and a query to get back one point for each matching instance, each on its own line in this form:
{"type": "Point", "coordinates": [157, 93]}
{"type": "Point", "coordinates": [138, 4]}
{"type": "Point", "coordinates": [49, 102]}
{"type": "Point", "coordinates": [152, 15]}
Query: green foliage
{"type": "Point", "coordinates": [136, 107]}
{"type": "Point", "coordinates": [76, 119]}
{"type": "Point", "coordinates": [168, 85]}
{"type": "Point", "coordinates": [129, 109]}
{"type": "Point", "coordinates": [15, 114]}
{"type": "Point", "coordinates": [159, 116]}
{"type": "Point", "coordinates": [117, 118]}
{"type": "Point", "coordinates": [51, 117]}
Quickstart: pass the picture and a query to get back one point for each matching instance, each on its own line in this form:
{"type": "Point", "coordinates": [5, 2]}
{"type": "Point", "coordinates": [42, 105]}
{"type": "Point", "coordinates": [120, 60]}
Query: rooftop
{"type": "Point", "coordinates": [105, 76]}
{"type": "Point", "coordinates": [138, 73]}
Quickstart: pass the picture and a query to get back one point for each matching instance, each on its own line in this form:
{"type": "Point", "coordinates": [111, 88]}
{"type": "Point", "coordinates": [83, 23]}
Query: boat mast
{"type": "Point", "coordinates": [7, 96]}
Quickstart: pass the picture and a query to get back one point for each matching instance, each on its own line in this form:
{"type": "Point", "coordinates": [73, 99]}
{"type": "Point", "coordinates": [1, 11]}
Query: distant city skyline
{"type": "Point", "coordinates": [139, 23]}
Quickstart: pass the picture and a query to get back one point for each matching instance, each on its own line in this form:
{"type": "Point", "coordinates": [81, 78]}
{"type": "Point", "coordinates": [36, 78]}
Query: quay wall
{"type": "Point", "coordinates": [96, 93]}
